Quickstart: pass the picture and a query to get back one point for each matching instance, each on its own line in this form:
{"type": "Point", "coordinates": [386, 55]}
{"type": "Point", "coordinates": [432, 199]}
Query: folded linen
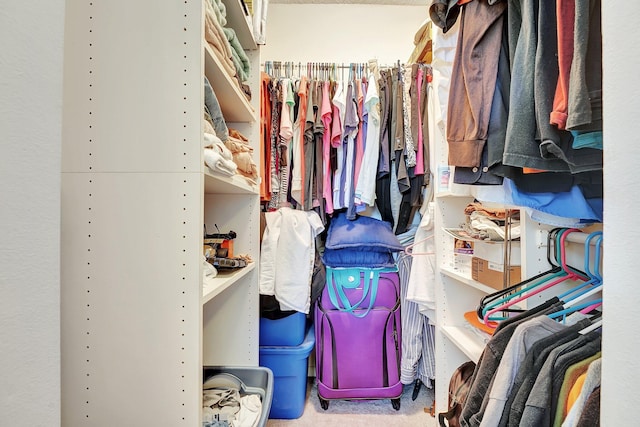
{"type": "Point", "coordinates": [243, 157]}
{"type": "Point", "coordinates": [213, 158]}
{"type": "Point", "coordinates": [212, 106]}
{"type": "Point", "coordinates": [244, 65]}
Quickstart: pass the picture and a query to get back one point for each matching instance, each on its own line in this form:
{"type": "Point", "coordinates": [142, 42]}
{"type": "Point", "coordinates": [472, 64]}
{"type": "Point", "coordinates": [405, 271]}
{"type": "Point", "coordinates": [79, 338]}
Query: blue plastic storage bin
{"type": "Point", "coordinates": [287, 331]}
{"type": "Point", "coordinates": [289, 367]}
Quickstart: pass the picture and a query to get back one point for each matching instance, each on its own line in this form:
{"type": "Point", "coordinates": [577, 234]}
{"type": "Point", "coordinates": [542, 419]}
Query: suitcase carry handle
{"type": "Point", "coordinates": [349, 278]}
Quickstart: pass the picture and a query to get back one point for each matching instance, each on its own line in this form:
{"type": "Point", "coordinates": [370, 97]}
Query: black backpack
{"type": "Point", "coordinates": [459, 386]}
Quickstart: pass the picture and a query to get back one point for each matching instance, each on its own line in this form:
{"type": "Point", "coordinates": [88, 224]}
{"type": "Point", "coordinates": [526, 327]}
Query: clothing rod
{"type": "Point", "coordinates": [580, 237]}
{"type": "Point", "coordinates": [331, 64]}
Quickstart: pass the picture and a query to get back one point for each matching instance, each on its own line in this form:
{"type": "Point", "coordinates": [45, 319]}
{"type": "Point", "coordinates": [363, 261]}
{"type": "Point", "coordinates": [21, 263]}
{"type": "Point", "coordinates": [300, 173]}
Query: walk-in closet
{"type": "Point", "coordinates": [281, 213]}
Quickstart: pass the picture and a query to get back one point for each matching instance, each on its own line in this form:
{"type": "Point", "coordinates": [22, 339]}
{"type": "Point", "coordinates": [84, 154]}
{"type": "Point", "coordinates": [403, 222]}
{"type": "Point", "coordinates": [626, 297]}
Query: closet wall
{"type": "Point", "coordinates": [341, 32]}
{"type": "Point", "coordinates": [621, 341]}
{"type": "Point", "coordinates": [31, 63]}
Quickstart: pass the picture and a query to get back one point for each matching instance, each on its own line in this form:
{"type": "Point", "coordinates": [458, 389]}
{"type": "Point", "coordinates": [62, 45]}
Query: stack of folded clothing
{"type": "Point", "coordinates": [225, 44]}
{"type": "Point", "coordinates": [242, 152]}
{"type": "Point", "coordinates": [486, 223]}
{"type": "Point", "coordinates": [226, 151]}
{"type": "Point", "coordinates": [218, 157]}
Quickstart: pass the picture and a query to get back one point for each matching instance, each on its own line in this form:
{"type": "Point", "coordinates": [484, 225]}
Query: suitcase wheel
{"type": "Point", "coordinates": [395, 403]}
{"type": "Point", "coordinates": [324, 404]}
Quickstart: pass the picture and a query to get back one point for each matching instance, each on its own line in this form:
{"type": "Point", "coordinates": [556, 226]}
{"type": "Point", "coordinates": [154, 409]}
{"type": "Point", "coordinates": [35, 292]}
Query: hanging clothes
{"type": "Point", "coordinates": [536, 118]}
{"type": "Point", "coordinates": [418, 335]}
{"type": "Point", "coordinates": [334, 151]}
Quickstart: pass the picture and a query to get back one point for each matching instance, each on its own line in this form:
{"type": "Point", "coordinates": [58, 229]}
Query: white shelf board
{"type": "Point", "coordinates": [220, 184]}
{"type": "Point", "coordinates": [475, 194]}
{"type": "Point", "coordinates": [466, 280]}
{"type": "Point", "coordinates": [443, 194]}
{"type": "Point", "coordinates": [240, 22]}
{"type": "Point", "coordinates": [233, 103]}
{"type": "Point", "coordinates": [469, 343]}
{"type": "Point", "coordinates": [224, 280]}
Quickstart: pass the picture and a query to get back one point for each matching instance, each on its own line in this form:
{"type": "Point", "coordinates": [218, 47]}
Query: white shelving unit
{"type": "Point", "coordinates": [457, 293]}
{"type": "Point", "coordinates": [137, 325]}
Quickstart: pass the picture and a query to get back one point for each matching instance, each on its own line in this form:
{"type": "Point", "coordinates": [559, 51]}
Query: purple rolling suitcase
{"type": "Point", "coordinates": [357, 325]}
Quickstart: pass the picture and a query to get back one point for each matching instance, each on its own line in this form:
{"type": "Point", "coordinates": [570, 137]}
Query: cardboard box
{"type": "Point", "coordinates": [491, 273]}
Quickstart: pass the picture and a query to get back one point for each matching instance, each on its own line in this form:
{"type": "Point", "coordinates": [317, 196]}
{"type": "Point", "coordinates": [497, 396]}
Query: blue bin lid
{"type": "Point", "coordinates": [303, 349]}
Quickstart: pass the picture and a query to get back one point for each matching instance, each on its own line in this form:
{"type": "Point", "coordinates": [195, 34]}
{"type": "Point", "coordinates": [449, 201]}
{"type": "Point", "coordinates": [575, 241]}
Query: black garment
{"type": "Point", "coordinates": [540, 410]}
{"type": "Point", "coordinates": [444, 13]}
{"type": "Point", "coordinates": [309, 154]}
{"type": "Point", "coordinates": [490, 360]}
{"type": "Point", "coordinates": [410, 203]}
{"type": "Point", "coordinates": [478, 175]}
{"type": "Point", "coordinates": [553, 302]}
{"type": "Point", "coordinates": [520, 401]}
{"type": "Point", "coordinates": [560, 368]}
{"type": "Point", "coordinates": [383, 180]}
{"type": "Point", "coordinates": [383, 198]}
{"type": "Point", "coordinates": [543, 346]}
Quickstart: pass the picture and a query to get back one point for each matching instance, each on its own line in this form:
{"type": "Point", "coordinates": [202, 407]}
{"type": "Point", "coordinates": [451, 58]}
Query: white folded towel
{"type": "Point", "coordinates": [214, 159]}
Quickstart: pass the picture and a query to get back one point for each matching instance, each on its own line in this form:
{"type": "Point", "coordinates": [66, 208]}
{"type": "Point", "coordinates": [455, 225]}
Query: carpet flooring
{"type": "Point", "coordinates": [364, 413]}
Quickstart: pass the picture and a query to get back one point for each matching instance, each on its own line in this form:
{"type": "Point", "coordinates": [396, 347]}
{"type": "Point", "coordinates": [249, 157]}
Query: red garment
{"type": "Point", "coordinates": [566, 11]}
{"type": "Point", "coordinates": [265, 138]}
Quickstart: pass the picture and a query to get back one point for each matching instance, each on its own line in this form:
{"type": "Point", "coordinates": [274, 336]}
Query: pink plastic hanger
{"type": "Point", "coordinates": [409, 249]}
